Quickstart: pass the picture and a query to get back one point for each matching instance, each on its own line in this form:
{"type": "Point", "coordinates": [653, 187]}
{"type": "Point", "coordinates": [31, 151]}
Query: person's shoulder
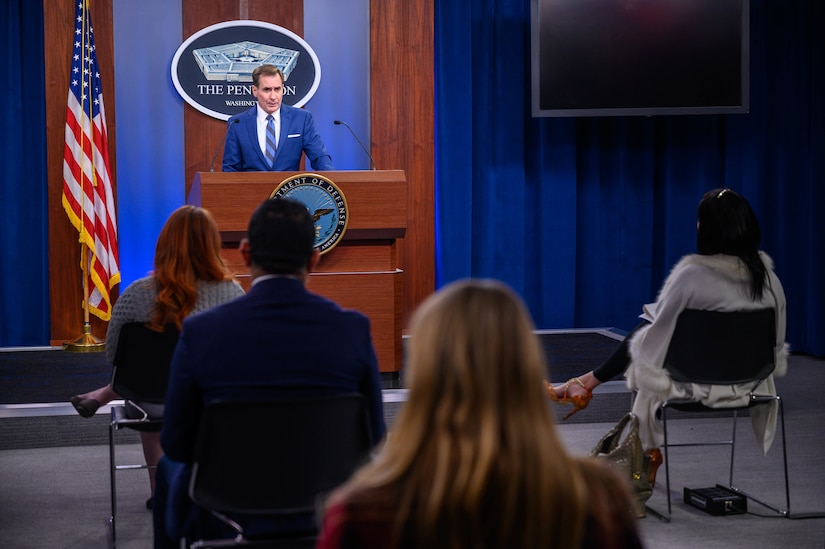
{"type": "Point", "coordinates": [139, 287]}
{"type": "Point", "coordinates": [134, 303]}
{"type": "Point", "coordinates": [227, 284]}
{"type": "Point", "coordinates": [767, 260]}
{"type": "Point", "coordinates": [336, 308]}
{"type": "Point", "coordinates": [236, 287]}
{"type": "Point", "coordinates": [351, 323]}
{"type": "Point", "coordinates": [688, 262]}
{"type": "Point", "coordinates": [219, 291]}
{"type": "Point", "coordinates": [220, 306]}
{"type": "Point", "coordinates": [695, 267]}
{"type": "Point", "coordinates": [142, 282]}
{"type": "Point", "coordinates": [353, 498]}
{"type": "Point", "coordinates": [709, 268]}
{"type": "Point", "coordinates": [692, 274]}
{"type": "Point", "coordinates": [243, 115]}
{"type": "Point", "coordinates": [294, 112]}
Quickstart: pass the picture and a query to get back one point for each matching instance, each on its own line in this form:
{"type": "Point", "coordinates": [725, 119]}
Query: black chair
{"type": "Point", "coordinates": [140, 376]}
{"type": "Point", "coordinates": [723, 348]}
{"type": "Point", "coordinates": [270, 459]}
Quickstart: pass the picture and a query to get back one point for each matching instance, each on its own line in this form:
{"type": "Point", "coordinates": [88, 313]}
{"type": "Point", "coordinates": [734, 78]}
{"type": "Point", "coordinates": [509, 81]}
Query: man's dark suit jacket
{"type": "Point", "coordinates": [242, 152]}
{"type": "Point", "coordinates": [277, 341]}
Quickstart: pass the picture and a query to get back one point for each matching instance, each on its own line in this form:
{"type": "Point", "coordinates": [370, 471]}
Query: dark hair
{"type": "Point", "coordinates": [266, 70]}
{"type": "Point", "coordinates": [728, 225]}
{"type": "Point", "coordinates": [281, 236]}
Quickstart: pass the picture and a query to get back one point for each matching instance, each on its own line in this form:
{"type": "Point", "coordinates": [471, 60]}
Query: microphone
{"type": "Point", "coordinates": [225, 137]}
{"type": "Point", "coordinates": [340, 122]}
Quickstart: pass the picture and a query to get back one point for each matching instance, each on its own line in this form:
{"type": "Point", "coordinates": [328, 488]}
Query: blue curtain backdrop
{"type": "Point", "coordinates": [585, 217]}
{"type": "Point", "coordinates": [24, 274]}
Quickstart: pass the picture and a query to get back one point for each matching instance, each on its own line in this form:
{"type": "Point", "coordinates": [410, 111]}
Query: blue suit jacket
{"type": "Point", "coordinates": [277, 341]}
{"type": "Point", "coordinates": [242, 152]}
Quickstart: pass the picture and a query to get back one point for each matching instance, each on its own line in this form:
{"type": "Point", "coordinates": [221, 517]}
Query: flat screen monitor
{"type": "Point", "coordinates": [639, 57]}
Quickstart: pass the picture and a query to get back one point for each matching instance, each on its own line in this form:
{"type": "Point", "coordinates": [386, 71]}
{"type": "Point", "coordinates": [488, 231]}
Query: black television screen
{"type": "Point", "coordinates": [639, 57]}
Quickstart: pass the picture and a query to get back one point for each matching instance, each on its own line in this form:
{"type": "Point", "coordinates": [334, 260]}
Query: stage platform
{"type": "Point", "coordinates": [36, 384]}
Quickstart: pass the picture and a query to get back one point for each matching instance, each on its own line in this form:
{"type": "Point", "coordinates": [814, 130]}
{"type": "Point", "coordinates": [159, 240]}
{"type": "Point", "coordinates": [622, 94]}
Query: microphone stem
{"type": "Point", "coordinates": [366, 150]}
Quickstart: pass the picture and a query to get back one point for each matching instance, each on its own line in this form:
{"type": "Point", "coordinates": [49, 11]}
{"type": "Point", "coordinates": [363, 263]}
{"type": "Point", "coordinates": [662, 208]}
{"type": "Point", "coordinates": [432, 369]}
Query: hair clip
{"type": "Point", "coordinates": [723, 191]}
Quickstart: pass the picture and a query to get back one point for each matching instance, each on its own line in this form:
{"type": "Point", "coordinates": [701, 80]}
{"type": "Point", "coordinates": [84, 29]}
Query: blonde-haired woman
{"type": "Point", "coordinates": [189, 276]}
{"type": "Point", "coordinates": [473, 460]}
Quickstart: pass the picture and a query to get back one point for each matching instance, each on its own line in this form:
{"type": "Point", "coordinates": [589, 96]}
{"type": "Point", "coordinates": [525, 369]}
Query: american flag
{"type": "Point", "coordinates": [87, 185]}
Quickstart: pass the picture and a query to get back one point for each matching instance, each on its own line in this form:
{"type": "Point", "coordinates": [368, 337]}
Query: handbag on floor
{"type": "Point", "coordinates": [625, 454]}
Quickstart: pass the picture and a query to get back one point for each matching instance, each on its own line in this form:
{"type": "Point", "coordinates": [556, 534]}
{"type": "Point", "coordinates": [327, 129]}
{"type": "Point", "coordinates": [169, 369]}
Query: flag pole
{"type": "Point", "coordinates": [86, 342]}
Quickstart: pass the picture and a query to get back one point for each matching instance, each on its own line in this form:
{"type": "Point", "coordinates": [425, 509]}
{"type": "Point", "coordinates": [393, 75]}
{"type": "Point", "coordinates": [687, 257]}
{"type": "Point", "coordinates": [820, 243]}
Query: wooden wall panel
{"type": "Point", "coordinates": [204, 134]}
{"type": "Point", "coordinates": [403, 126]}
{"type": "Point", "coordinates": [65, 280]}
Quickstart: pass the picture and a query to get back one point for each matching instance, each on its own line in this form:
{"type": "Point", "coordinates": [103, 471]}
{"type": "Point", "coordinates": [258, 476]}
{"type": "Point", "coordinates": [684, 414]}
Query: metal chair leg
{"type": "Point", "coordinates": [784, 456]}
{"type": "Point", "coordinates": [667, 464]}
{"type": "Point", "coordinates": [787, 510]}
{"type": "Point", "coordinates": [662, 516]}
{"type": "Point", "coordinates": [113, 492]}
{"type": "Point", "coordinates": [733, 446]}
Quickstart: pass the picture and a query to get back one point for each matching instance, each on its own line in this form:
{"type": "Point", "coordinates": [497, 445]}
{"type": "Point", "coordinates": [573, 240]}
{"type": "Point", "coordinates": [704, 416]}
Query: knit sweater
{"type": "Point", "coordinates": [136, 302]}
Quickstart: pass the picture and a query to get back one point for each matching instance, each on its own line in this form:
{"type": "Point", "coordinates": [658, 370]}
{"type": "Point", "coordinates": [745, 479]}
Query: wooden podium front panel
{"type": "Point", "coordinates": [376, 200]}
{"type": "Point", "coordinates": [359, 256]}
{"type": "Point", "coordinates": [377, 295]}
{"type": "Point", "coordinates": [360, 273]}
{"type": "Point", "coordinates": [348, 256]}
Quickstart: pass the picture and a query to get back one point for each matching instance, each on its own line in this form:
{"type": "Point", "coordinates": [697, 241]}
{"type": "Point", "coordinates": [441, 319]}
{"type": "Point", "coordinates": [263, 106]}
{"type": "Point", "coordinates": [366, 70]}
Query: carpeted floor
{"type": "Point", "coordinates": [55, 493]}
{"type": "Point", "coordinates": [59, 497]}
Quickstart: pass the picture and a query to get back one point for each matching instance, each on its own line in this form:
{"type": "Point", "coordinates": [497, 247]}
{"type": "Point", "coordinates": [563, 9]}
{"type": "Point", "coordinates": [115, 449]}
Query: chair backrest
{"type": "Point", "coordinates": [277, 457]}
{"type": "Point", "coordinates": [142, 359]}
{"type": "Point", "coordinates": [722, 348]}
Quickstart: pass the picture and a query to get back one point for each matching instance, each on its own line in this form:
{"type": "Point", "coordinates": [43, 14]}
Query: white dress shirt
{"type": "Point", "coordinates": [262, 127]}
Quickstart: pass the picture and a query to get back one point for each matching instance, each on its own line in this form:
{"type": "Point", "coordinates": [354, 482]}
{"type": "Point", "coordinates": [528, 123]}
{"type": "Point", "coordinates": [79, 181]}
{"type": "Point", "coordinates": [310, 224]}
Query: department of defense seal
{"type": "Point", "coordinates": [325, 202]}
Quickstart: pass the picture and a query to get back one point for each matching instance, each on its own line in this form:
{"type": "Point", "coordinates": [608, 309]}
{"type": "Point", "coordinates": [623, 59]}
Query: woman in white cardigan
{"type": "Point", "coordinates": [728, 273]}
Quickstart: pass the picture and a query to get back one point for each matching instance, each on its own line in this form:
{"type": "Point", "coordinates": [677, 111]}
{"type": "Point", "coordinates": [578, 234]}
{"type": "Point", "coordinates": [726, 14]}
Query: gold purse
{"type": "Point", "coordinates": [626, 456]}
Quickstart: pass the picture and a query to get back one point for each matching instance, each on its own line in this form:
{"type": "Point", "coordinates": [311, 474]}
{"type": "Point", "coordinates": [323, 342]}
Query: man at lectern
{"type": "Point", "coordinates": [271, 136]}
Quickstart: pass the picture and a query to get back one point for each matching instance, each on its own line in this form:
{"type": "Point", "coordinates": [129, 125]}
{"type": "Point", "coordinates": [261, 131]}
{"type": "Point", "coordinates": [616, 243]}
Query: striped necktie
{"type": "Point", "coordinates": [270, 140]}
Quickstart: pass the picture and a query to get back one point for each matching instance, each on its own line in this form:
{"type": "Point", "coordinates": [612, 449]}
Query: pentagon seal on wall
{"type": "Point", "coordinates": [212, 69]}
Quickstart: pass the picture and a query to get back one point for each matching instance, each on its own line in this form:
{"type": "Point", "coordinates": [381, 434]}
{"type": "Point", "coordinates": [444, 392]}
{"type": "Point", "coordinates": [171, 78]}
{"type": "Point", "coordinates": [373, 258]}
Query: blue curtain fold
{"type": "Point", "coordinates": [24, 270]}
{"type": "Point", "coordinates": [585, 217]}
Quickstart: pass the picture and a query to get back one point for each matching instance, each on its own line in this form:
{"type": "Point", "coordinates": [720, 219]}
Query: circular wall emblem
{"type": "Point", "coordinates": [212, 69]}
{"type": "Point", "coordinates": [325, 202]}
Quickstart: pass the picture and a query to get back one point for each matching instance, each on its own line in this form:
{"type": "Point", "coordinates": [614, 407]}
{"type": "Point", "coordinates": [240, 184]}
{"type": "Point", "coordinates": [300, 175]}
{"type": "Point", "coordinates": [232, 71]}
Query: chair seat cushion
{"type": "Point", "coordinates": [135, 410]}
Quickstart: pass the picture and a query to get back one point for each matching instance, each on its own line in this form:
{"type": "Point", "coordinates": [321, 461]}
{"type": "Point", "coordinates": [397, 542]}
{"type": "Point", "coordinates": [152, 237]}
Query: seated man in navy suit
{"type": "Point", "coordinates": [251, 148]}
{"type": "Point", "coordinates": [277, 341]}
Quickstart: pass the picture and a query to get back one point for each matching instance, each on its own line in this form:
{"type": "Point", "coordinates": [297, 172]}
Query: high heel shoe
{"type": "Point", "coordinates": [579, 402]}
{"type": "Point", "coordinates": [655, 456]}
{"type": "Point", "coordinates": [86, 407]}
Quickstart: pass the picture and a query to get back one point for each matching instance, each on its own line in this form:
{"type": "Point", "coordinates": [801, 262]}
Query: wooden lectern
{"type": "Point", "coordinates": [360, 273]}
